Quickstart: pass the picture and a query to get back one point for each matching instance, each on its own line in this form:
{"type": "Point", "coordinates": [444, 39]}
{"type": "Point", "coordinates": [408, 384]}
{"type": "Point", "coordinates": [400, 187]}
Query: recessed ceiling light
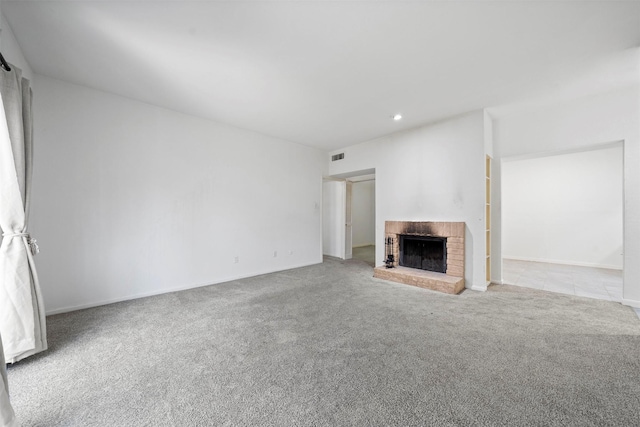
{"type": "Point", "coordinates": [397, 117]}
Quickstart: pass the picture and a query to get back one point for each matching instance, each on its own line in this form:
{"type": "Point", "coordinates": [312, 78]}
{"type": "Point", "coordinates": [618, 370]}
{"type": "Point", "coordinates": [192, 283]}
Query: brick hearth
{"type": "Point", "coordinates": [453, 281]}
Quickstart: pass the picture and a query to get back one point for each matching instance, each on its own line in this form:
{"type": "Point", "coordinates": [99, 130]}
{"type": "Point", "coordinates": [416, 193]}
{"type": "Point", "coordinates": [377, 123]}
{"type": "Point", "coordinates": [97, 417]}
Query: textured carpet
{"type": "Point", "coordinates": [330, 345]}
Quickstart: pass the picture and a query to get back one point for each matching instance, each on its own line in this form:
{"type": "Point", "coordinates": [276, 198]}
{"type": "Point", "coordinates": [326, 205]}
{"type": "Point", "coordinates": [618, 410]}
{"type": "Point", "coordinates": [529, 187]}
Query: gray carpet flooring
{"type": "Point", "coordinates": [329, 345]}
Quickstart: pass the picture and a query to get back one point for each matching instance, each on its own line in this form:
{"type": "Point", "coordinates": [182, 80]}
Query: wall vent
{"type": "Point", "coordinates": [337, 157]}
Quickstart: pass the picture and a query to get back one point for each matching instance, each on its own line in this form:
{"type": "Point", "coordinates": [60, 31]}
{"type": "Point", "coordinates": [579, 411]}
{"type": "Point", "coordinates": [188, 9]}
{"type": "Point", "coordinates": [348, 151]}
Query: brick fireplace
{"type": "Point", "coordinates": [451, 233]}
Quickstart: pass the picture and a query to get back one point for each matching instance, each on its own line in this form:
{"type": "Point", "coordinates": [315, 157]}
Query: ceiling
{"type": "Point", "coordinates": [330, 74]}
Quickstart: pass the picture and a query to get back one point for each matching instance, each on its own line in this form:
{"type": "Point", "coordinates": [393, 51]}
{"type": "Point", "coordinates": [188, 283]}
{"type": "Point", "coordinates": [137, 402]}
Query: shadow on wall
{"type": "Point", "coordinates": [468, 259]}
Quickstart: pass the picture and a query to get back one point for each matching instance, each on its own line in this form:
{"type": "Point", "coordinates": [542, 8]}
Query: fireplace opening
{"type": "Point", "coordinates": [424, 252]}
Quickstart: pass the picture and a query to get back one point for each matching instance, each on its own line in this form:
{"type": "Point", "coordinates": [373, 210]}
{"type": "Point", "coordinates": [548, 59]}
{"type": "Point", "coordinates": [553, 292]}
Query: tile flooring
{"type": "Point", "coordinates": [590, 282]}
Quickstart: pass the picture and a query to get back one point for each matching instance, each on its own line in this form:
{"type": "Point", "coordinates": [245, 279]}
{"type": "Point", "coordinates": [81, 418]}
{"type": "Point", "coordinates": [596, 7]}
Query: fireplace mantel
{"type": "Point", "coordinates": [450, 282]}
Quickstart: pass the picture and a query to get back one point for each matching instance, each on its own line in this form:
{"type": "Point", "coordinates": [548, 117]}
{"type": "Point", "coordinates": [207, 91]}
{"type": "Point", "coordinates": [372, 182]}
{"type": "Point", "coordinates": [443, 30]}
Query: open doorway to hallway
{"type": "Point", "coordinates": [349, 216]}
{"type": "Point", "coordinates": [562, 222]}
{"type": "Point", "coordinates": [363, 218]}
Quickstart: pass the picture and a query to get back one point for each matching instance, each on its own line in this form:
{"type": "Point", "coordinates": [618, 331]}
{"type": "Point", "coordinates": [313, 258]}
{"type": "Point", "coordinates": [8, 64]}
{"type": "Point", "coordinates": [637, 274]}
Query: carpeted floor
{"type": "Point", "coordinates": [330, 345]}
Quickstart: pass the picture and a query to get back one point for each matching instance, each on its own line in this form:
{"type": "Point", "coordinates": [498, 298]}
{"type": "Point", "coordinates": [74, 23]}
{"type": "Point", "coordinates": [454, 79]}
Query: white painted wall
{"type": "Point", "coordinates": [132, 200]}
{"type": "Point", "coordinates": [578, 124]}
{"type": "Point", "coordinates": [488, 134]}
{"type": "Point", "coordinates": [333, 218]}
{"type": "Point", "coordinates": [565, 208]}
{"type": "Point", "coordinates": [431, 173]}
{"type": "Point", "coordinates": [11, 50]}
{"type": "Point", "coordinates": [363, 205]}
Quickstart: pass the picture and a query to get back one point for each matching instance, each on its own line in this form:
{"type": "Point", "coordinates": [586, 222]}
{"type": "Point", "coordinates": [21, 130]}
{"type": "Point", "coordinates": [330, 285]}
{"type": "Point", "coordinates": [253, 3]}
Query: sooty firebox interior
{"type": "Point", "coordinates": [424, 252]}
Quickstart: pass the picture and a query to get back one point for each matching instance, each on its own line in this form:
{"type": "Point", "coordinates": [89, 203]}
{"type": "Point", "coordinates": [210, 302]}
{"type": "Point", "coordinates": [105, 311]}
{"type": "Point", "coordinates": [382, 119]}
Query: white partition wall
{"type": "Point", "coordinates": [333, 218]}
{"type": "Point", "coordinates": [132, 200]}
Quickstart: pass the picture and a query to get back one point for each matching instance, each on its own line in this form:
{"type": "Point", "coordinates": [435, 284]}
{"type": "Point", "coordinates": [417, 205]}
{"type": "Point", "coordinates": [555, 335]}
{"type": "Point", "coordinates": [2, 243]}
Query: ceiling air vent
{"type": "Point", "coordinates": [337, 157]}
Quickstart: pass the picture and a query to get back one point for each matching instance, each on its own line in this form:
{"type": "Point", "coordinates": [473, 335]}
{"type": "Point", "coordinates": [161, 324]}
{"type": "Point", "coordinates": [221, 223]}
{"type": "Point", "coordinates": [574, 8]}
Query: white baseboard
{"type": "Point", "coordinates": [166, 291]}
{"type": "Point", "coordinates": [552, 261]}
{"type": "Point", "coordinates": [631, 303]}
{"type": "Point", "coordinates": [480, 288]}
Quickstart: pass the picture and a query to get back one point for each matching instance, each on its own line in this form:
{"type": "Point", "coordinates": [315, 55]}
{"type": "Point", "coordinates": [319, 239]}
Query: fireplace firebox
{"type": "Point", "coordinates": [424, 252]}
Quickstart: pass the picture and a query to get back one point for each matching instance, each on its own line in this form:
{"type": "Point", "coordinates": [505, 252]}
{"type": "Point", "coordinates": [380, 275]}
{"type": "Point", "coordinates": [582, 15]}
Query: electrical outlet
{"type": "Point", "coordinates": [236, 259]}
{"type": "Point", "coordinates": [275, 254]}
{"type": "Point", "coordinates": [291, 252]}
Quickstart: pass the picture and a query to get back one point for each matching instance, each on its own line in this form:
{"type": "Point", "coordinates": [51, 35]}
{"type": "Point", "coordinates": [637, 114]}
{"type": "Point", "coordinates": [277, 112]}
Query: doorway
{"type": "Point", "coordinates": [349, 216]}
{"type": "Point", "coordinates": [562, 222]}
{"type": "Point", "coordinates": [363, 218]}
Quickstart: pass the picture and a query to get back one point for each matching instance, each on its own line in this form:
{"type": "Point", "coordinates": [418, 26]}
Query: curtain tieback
{"type": "Point", "coordinates": [33, 245]}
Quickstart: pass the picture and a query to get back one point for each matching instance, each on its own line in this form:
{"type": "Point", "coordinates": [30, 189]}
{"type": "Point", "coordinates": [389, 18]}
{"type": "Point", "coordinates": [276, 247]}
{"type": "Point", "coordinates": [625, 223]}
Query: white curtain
{"type": "Point", "coordinates": [22, 319]}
